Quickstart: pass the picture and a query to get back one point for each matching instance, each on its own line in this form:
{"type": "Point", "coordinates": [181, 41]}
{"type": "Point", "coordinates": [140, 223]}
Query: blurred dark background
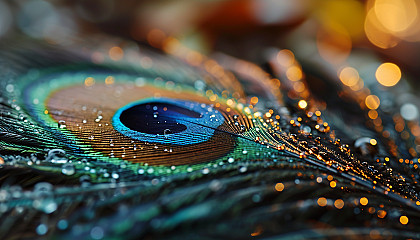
{"type": "Point", "coordinates": [330, 30]}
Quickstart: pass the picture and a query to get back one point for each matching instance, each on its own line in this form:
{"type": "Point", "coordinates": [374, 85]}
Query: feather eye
{"type": "Point", "coordinates": [132, 122]}
{"type": "Point", "coordinates": [148, 120]}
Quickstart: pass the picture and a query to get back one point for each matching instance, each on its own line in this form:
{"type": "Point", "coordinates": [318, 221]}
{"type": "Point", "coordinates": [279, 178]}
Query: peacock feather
{"type": "Point", "coordinates": [176, 145]}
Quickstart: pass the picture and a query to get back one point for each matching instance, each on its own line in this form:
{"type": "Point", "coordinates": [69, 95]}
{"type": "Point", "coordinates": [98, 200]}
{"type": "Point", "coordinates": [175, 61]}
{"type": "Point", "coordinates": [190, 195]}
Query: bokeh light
{"type": "Point", "coordinates": [372, 102]}
{"type": "Point", "coordinates": [388, 74]}
{"type": "Point", "coordinates": [396, 15]}
{"type": "Point", "coordinates": [349, 76]}
{"type": "Point", "coordinates": [409, 111]}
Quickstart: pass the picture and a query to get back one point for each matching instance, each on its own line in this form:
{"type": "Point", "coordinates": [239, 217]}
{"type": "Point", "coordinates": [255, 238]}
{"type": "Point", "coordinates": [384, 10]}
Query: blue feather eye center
{"type": "Point", "coordinates": [156, 118]}
{"type": "Point", "coordinates": [168, 121]}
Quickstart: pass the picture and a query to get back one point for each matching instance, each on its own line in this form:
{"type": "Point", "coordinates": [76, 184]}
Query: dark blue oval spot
{"type": "Point", "coordinates": [156, 118]}
{"type": "Point", "coordinates": [168, 121]}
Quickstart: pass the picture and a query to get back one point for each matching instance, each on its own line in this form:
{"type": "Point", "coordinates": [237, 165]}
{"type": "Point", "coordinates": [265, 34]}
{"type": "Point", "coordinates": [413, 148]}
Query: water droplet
{"type": "Point", "coordinates": [115, 175]}
{"type": "Point", "coordinates": [57, 156]}
{"type": "Point", "coordinates": [68, 169]}
{"type": "Point", "coordinates": [43, 188]}
{"type": "Point", "coordinates": [62, 124]}
{"type": "Point", "coordinates": [10, 88]}
{"type": "Point", "coordinates": [167, 132]}
{"type": "Point", "coordinates": [47, 205]}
